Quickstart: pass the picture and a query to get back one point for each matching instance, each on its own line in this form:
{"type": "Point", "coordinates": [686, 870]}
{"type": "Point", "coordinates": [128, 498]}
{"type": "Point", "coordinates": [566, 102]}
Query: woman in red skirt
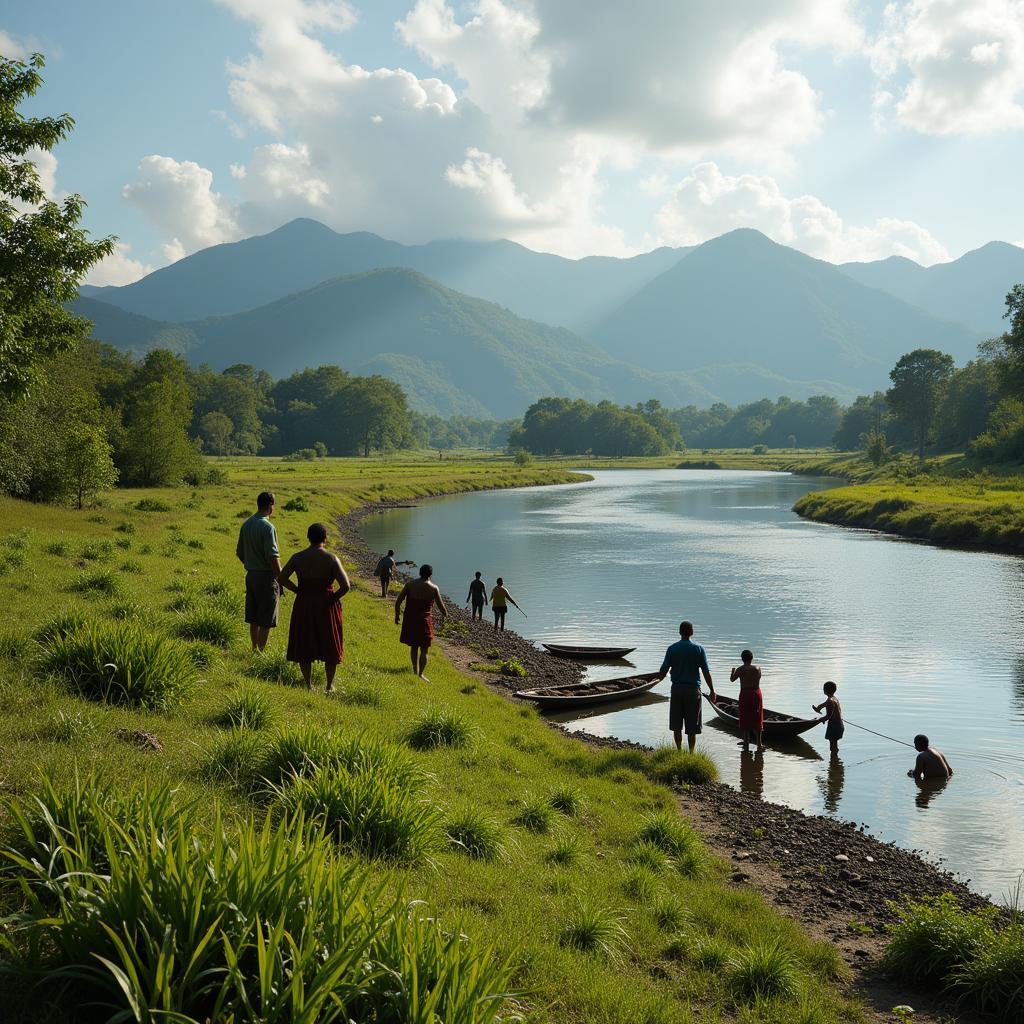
{"type": "Point", "coordinates": [751, 701]}
{"type": "Point", "coordinates": [419, 597]}
{"type": "Point", "coordinates": [315, 632]}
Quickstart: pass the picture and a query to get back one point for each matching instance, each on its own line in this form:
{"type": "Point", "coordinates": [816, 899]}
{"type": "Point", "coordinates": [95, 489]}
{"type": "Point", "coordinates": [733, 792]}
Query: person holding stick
{"type": "Point", "coordinates": [500, 600]}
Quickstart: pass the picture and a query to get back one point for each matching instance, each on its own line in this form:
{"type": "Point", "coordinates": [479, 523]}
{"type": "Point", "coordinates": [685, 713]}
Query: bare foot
{"type": "Point", "coordinates": [424, 678]}
{"type": "Point", "coordinates": [330, 689]}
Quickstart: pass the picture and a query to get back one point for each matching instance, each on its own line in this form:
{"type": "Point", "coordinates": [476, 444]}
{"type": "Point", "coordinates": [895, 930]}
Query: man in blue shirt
{"type": "Point", "coordinates": [688, 662]}
{"type": "Point", "coordinates": [257, 551]}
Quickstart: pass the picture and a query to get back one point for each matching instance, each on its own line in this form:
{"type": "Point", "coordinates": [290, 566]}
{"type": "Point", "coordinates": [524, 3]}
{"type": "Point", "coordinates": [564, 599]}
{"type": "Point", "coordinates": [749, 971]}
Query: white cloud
{"type": "Point", "coordinates": [178, 197]}
{"type": "Point", "coordinates": [118, 268]}
{"type": "Point", "coordinates": [954, 67]}
{"type": "Point", "coordinates": [12, 47]}
{"type": "Point", "coordinates": [708, 203]}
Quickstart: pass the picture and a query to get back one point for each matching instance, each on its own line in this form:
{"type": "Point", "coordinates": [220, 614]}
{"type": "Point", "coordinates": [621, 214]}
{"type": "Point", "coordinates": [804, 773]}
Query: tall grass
{"type": "Point", "coordinates": [677, 839]}
{"type": "Point", "coordinates": [764, 969]}
{"type": "Point", "coordinates": [99, 581]}
{"type": "Point", "coordinates": [237, 759]}
{"type": "Point", "coordinates": [247, 709]}
{"type": "Point", "coordinates": [594, 929]}
{"type": "Point", "coordinates": [440, 727]}
{"type": "Point", "coordinates": [681, 767]}
{"type": "Point", "coordinates": [210, 624]}
{"type": "Point", "coordinates": [534, 814]}
{"type": "Point", "coordinates": [477, 834]}
{"type": "Point", "coordinates": [120, 663]}
{"type": "Point", "coordinates": [274, 668]}
{"type": "Point", "coordinates": [937, 943]}
{"type": "Point", "coordinates": [150, 919]}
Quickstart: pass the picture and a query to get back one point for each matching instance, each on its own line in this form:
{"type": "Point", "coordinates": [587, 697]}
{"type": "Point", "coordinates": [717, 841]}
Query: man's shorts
{"type": "Point", "coordinates": [478, 606]}
{"type": "Point", "coordinates": [261, 599]}
{"type": "Point", "coordinates": [684, 710]}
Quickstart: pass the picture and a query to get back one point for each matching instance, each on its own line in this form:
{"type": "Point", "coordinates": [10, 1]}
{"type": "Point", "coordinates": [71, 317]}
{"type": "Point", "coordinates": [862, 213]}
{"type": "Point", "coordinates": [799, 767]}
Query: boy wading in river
{"type": "Point", "coordinates": [834, 727]}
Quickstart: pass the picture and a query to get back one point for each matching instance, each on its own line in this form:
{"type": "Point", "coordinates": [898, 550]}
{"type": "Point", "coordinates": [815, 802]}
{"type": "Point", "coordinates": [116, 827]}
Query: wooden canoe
{"type": "Point", "coordinates": [583, 653]}
{"type": "Point", "coordinates": [776, 724]}
{"type": "Point", "coordinates": [581, 695]}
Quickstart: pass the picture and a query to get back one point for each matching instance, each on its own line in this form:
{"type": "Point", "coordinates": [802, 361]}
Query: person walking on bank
{"type": "Point", "coordinates": [688, 662]}
{"type": "Point", "coordinates": [385, 570]}
{"type": "Point", "coordinates": [257, 551]}
{"type": "Point", "coordinates": [500, 600]}
{"type": "Point", "coordinates": [315, 630]}
{"type": "Point", "coordinates": [477, 596]}
{"type": "Point", "coordinates": [419, 597]}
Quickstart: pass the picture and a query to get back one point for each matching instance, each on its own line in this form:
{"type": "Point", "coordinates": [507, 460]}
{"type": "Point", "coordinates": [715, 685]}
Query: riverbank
{"type": "Point", "coordinates": [588, 897]}
{"type": "Point", "coordinates": [836, 881]}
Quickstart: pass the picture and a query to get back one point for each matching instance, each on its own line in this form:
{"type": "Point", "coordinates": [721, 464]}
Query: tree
{"type": "Point", "coordinates": [876, 447]}
{"type": "Point", "coordinates": [87, 462]}
{"type": "Point", "coordinates": [157, 449]}
{"type": "Point", "coordinates": [43, 252]}
{"type": "Point", "coordinates": [216, 429]}
{"type": "Point", "coordinates": [919, 382]}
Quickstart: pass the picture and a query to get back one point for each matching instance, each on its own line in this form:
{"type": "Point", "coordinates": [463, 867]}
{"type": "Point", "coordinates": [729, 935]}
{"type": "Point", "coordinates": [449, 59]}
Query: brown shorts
{"type": "Point", "coordinates": [261, 599]}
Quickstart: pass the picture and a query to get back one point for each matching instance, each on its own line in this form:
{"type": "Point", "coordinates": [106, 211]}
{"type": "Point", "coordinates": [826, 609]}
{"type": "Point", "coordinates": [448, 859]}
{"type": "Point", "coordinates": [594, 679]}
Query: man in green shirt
{"type": "Point", "coordinates": [257, 551]}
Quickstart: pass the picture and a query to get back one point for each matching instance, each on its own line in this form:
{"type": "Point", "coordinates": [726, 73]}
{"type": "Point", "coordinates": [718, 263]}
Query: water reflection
{"type": "Point", "coordinates": [928, 790]}
{"type": "Point", "coordinates": [752, 773]}
{"type": "Point", "coordinates": [831, 782]}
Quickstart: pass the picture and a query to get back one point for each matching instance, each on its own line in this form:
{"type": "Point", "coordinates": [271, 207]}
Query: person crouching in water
{"type": "Point", "coordinates": [751, 701]}
{"type": "Point", "coordinates": [833, 716]}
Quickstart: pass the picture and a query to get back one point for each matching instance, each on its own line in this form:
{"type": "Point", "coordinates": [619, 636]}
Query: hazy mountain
{"type": "Point", "coordinates": [970, 290]}
{"type": "Point", "coordinates": [131, 332]}
{"type": "Point", "coordinates": [452, 353]}
{"type": "Point", "coordinates": [744, 299]}
{"type": "Point", "coordinates": [237, 276]}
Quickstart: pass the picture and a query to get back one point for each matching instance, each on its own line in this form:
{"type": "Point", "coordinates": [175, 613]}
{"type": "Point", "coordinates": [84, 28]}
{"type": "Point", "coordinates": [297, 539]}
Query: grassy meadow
{"type": "Point", "coordinates": [397, 852]}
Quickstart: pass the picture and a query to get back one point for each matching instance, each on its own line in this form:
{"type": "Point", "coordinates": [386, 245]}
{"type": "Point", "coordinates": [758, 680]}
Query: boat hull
{"type": "Point", "coordinates": [776, 724]}
{"type": "Point", "coordinates": [576, 695]}
{"type": "Point", "coordinates": [586, 653]}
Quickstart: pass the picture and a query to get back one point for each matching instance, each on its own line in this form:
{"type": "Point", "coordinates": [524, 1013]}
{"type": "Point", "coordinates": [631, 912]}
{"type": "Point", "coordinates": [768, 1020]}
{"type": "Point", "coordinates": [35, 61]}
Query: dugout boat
{"type": "Point", "coordinates": [776, 724]}
{"type": "Point", "coordinates": [585, 694]}
{"type": "Point", "coordinates": [579, 653]}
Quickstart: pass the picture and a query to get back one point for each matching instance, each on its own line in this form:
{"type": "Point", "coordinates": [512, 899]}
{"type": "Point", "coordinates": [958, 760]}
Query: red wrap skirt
{"type": "Point", "coordinates": [315, 631]}
{"type": "Point", "coordinates": [751, 710]}
{"type": "Point", "coordinates": [417, 622]}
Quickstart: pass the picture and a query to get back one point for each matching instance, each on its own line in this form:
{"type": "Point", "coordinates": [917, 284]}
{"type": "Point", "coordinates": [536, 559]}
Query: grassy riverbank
{"type": "Point", "coordinates": [587, 898]}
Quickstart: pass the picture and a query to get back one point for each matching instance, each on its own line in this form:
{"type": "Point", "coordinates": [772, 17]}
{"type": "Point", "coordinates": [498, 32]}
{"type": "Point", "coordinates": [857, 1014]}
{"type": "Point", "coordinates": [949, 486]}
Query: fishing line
{"type": "Point", "coordinates": [881, 734]}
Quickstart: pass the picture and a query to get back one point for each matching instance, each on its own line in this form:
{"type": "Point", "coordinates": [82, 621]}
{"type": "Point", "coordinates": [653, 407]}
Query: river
{"type": "Point", "coordinates": [918, 638]}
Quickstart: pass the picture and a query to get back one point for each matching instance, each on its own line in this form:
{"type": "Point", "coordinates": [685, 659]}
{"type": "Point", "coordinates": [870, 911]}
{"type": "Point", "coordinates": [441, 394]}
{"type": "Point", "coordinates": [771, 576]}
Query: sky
{"type": "Point", "coordinates": [849, 129]}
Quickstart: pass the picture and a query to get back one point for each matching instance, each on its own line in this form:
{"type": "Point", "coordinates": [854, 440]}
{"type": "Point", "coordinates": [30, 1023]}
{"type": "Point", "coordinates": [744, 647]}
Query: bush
{"type": "Point", "coordinates": [247, 709]}
{"type": "Point", "coordinates": [593, 929]}
{"type": "Point", "coordinates": [477, 834]}
{"type": "Point", "coordinates": [440, 727]}
{"type": "Point", "coordinates": [121, 663]}
{"type": "Point", "coordinates": [676, 838]}
{"type": "Point", "coordinates": [152, 918]}
{"type": "Point", "coordinates": [302, 455]}
{"type": "Point", "coordinates": [211, 625]}
{"type": "Point", "coordinates": [765, 969]}
{"type": "Point", "coordinates": [760, 449]}
{"type": "Point", "coordinates": [681, 767]}
{"type": "Point", "coordinates": [372, 813]}
{"type": "Point", "coordinates": [152, 505]}
{"type": "Point", "coordinates": [100, 581]}
{"type": "Point", "coordinates": [512, 667]}
{"type": "Point", "coordinates": [534, 814]}
{"type": "Point", "coordinates": [296, 505]}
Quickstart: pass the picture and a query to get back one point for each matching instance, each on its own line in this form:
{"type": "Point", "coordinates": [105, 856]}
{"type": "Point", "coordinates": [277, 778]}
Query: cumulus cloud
{"type": "Point", "coordinates": [12, 47]}
{"type": "Point", "coordinates": [952, 67]}
{"type": "Point", "coordinates": [178, 197]}
{"type": "Point", "coordinates": [118, 268]}
{"type": "Point", "coordinates": [707, 203]}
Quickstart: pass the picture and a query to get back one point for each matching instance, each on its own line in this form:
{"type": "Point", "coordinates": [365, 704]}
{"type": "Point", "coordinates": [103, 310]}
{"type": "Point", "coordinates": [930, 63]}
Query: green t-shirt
{"type": "Point", "coordinates": [257, 543]}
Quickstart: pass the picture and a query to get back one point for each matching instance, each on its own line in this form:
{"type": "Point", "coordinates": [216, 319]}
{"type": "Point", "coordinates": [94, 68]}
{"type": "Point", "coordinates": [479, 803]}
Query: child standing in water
{"type": "Point", "coordinates": [751, 701]}
{"type": "Point", "coordinates": [833, 716]}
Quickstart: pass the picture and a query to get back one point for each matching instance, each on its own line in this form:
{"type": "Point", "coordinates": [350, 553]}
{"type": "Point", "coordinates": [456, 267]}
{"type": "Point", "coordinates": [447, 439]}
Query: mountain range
{"type": "Point", "coordinates": [484, 328]}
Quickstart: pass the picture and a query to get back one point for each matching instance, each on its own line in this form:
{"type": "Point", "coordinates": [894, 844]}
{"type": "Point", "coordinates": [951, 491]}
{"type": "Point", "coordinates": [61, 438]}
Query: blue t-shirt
{"type": "Point", "coordinates": [686, 659]}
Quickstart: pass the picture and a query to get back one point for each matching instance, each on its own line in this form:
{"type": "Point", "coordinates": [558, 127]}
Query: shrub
{"type": "Point", "coordinates": [593, 929]}
{"type": "Point", "coordinates": [209, 624]}
{"type": "Point", "coordinates": [765, 969]}
{"type": "Point", "coordinates": [298, 504]}
{"type": "Point", "coordinates": [121, 663]}
{"type": "Point", "coordinates": [565, 852]}
{"type": "Point", "coordinates": [151, 918]}
{"type": "Point", "coordinates": [99, 581]}
{"type": "Point", "coordinates": [371, 813]}
{"type": "Point", "coordinates": [512, 667]}
{"type": "Point", "coordinates": [676, 838]}
{"type": "Point", "coordinates": [440, 727]}
{"type": "Point", "coordinates": [247, 709]}
{"type": "Point", "coordinates": [301, 455]}
{"type": "Point", "coordinates": [477, 834]}
{"type": "Point", "coordinates": [236, 758]}
{"type": "Point", "coordinates": [534, 814]}
{"type": "Point", "coordinates": [152, 505]}
{"type": "Point", "coordinates": [567, 800]}
{"type": "Point", "coordinates": [681, 767]}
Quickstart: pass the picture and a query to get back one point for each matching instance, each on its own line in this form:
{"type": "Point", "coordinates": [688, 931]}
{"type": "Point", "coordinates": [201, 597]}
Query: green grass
{"type": "Point", "coordinates": [210, 625]}
{"type": "Point", "coordinates": [534, 814]}
{"type": "Point", "coordinates": [477, 834]}
{"type": "Point", "coordinates": [682, 767]}
{"type": "Point", "coordinates": [764, 970]}
{"type": "Point", "coordinates": [249, 708]}
{"type": "Point", "coordinates": [675, 838]}
{"type": "Point", "coordinates": [596, 930]}
{"type": "Point", "coordinates": [519, 902]}
{"type": "Point", "coordinates": [440, 727]}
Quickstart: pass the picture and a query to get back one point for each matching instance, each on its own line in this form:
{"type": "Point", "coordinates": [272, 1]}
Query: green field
{"type": "Point", "coordinates": [565, 906]}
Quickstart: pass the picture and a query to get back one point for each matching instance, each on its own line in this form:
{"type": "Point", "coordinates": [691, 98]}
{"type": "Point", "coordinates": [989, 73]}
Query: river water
{"type": "Point", "coordinates": [919, 639]}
